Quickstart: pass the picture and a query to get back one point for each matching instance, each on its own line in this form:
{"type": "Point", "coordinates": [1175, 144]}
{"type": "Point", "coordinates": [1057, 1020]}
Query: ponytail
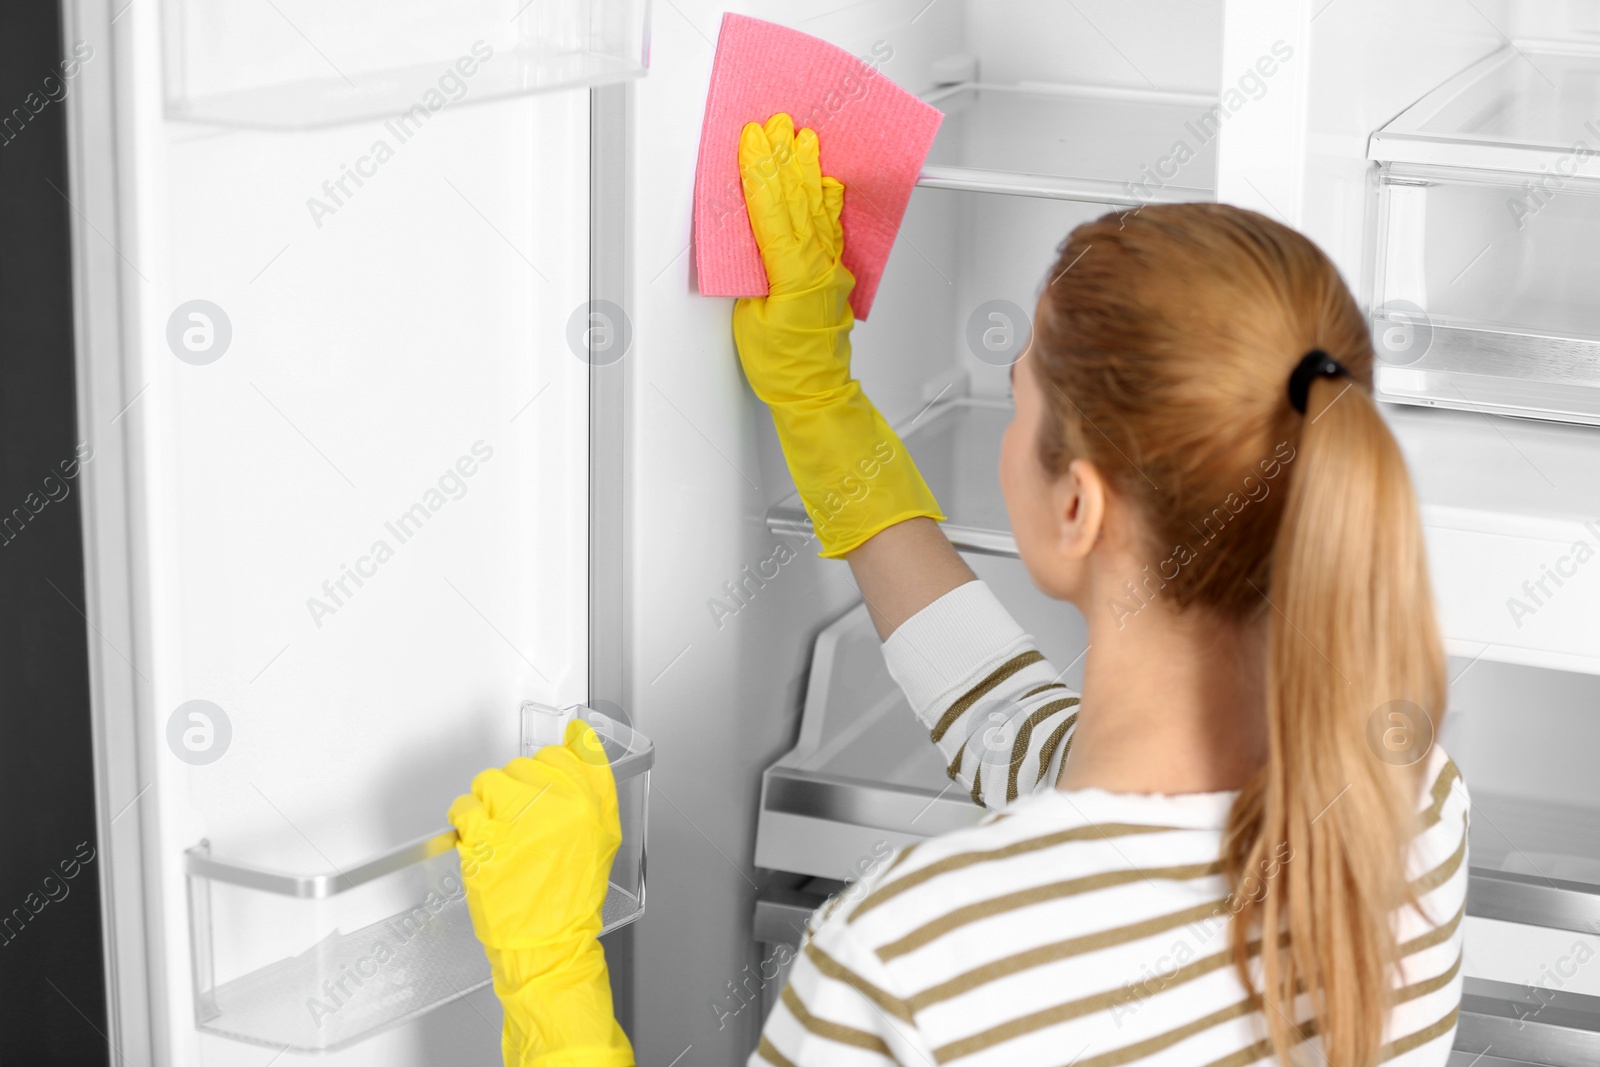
{"type": "Point", "coordinates": [1174, 330]}
{"type": "Point", "coordinates": [1354, 662]}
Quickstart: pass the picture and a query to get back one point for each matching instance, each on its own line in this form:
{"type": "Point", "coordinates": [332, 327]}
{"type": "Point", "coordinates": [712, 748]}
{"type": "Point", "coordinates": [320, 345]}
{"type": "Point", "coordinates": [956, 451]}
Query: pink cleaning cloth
{"type": "Point", "coordinates": [872, 134]}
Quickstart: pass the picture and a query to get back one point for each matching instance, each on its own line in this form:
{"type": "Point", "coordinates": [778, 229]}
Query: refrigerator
{"type": "Point", "coordinates": [406, 410]}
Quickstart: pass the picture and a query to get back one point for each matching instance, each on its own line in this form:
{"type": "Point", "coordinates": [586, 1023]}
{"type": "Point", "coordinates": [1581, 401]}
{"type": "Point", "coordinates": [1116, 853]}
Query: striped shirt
{"type": "Point", "coordinates": [1069, 927]}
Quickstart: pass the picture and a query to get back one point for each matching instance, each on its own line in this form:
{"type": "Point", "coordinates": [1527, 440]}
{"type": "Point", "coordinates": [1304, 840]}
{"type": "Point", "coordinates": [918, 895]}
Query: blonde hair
{"type": "Point", "coordinates": [1163, 348]}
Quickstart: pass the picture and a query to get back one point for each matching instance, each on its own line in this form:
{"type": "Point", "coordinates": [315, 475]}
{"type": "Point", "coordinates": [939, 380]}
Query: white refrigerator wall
{"type": "Point", "coordinates": [719, 699]}
{"type": "Point", "coordinates": [364, 524]}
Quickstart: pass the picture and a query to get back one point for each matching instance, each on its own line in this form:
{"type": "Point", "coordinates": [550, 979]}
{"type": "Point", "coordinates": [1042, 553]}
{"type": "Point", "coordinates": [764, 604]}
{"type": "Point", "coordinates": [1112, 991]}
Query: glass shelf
{"type": "Point", "coordinates": [1458, 460]}
{"type": "Point", "coordinates": [957, 449]}
{"type": "Point", "coordinates": [1102, 146]}
{"type": "Point", "coordinates": [375, 944]}
{"type": "Point", "coordinates": [1495, 499]}
{"type": "Point", "coordinates": [304, 64]}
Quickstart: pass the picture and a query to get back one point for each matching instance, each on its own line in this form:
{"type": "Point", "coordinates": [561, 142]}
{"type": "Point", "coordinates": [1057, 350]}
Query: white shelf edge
{"type": "Point", "coordinates": [1084, 190]}
{"type": "Point", "coordinates": [1074, 89]}
{"type": "Point", "coordinates": [1519, 656]}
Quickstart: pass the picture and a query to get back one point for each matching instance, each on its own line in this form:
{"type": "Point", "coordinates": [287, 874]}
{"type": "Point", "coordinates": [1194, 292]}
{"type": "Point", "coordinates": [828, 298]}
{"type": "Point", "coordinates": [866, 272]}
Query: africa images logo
{"type": "Point", "coordinates": [1537, 592]}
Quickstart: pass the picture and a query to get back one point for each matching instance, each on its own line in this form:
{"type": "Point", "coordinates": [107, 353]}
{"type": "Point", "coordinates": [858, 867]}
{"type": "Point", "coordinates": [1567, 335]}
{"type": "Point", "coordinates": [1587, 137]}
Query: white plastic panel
{"type": "Point", "coordinates": [1009, 247]}
{"type": "Point", "coordinates": [1497, 616]}
{"type": "Point", "coordinates": [919, 308]}
{"type": "Point", "coordinates": [958, 253]}
{"type": "Point", "coordinates": [1531, 956]}
{"type": "Point", "coordinates": [1298, 151]}
{"type": "Point", "coordinates": [1134, 44]}
{"type": "Point", "coordinates": [297, 63]}
{"type": "Point", "coordinates": [1505, 506]}
{"type": "Point", "coordinates": [361, 526]}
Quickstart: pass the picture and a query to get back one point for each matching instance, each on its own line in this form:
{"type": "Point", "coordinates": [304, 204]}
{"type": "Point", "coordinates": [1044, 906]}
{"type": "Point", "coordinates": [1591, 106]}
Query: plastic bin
{"type": "Point", "coordinates": [299, 63]}
{"type": "Point", "coordinates": [1487, 214]}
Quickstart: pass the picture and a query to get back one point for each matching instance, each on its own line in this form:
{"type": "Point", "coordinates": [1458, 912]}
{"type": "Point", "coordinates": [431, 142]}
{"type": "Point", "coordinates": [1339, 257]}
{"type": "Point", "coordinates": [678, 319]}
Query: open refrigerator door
{"type": "Point", "coordinates": [336, 356]}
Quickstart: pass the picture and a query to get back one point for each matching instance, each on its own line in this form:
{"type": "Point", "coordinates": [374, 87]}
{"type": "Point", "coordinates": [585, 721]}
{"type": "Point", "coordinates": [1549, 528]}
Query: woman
{"type": "Point", "coordinates": [1197, 464]}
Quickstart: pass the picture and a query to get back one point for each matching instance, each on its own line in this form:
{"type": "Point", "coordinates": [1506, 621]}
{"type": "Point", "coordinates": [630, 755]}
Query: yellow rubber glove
{"type": "Point", "coordinates": [854, 474]}
{"type": "Point", "coordinates": [536, 844]}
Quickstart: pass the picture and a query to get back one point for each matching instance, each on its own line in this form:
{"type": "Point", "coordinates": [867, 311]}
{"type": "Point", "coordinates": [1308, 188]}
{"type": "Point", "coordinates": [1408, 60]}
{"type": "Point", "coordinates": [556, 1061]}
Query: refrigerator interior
{"type": "Point", "coordinates": [1501, 504]}
{"type": "Point", "coordinates": [379, 332]}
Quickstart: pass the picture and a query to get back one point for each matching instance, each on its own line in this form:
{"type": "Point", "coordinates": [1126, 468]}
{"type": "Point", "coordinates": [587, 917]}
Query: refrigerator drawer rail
{"type": "Point", "coordinates": [1507, 1023]}
{"type": "Point", "coordinates": [1534, 901]}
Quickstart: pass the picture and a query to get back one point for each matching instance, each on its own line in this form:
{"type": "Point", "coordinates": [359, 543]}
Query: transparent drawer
{"type": "Point", "coordinates": [298, 63]}
{"type": "Point", "coordinates": [1487, 214]}
{"type": "Point", "coordinates": [1483, 293]}
{"type": "Point", "coordinates": [313, 962]}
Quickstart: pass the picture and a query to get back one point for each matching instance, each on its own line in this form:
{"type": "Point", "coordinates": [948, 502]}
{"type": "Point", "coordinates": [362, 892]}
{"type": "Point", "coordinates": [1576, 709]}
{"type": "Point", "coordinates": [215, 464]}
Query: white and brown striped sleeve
{"type": "Point", "coordinates": [839, 1010]}
{"type": "Point", "coordinates": [993, 704]}
{"type": "Point", "coordinates": [1428, 984]}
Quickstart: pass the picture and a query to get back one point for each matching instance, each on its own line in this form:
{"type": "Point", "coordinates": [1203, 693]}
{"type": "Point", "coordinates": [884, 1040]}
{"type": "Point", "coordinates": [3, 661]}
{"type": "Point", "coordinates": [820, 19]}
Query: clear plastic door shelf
{"type": "Point", "coordinates": [304, 63]}
{"type": "Point", "coordinates": [354, 951]}
{"type": "Point", "coordinates": [1487, 218]}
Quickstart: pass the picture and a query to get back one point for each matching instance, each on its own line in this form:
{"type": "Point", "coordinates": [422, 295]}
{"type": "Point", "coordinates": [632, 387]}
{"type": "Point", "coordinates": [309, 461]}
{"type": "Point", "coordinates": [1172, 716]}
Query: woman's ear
{"type": "Point", "coordinates": [1079, 506]}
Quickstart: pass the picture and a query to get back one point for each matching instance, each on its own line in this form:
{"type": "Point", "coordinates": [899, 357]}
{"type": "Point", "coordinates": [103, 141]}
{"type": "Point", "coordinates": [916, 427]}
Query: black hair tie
{"type": "Point", "coordinates": [1316, 364]}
